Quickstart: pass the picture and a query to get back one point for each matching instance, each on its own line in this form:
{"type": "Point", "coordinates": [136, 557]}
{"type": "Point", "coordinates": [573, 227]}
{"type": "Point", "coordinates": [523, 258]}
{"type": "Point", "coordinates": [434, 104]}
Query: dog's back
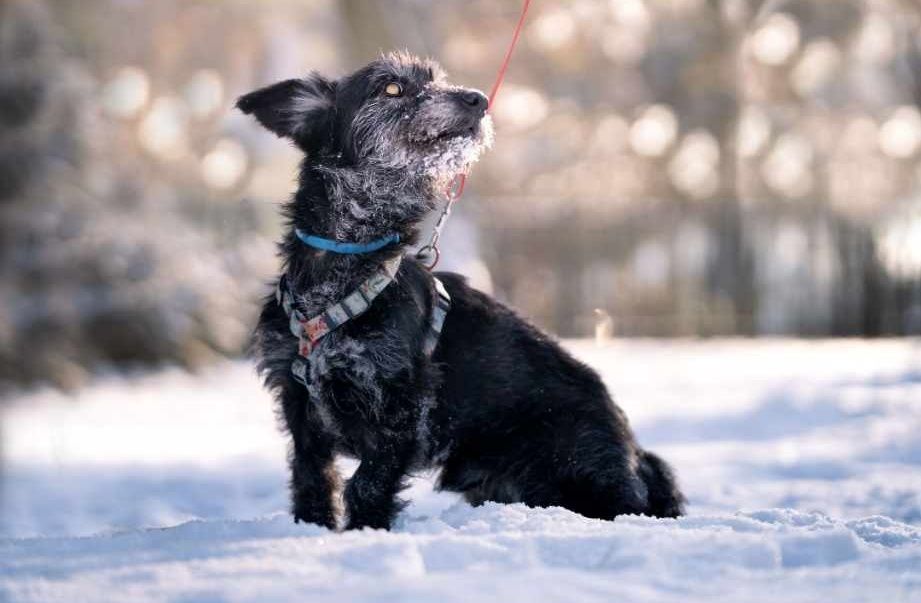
{"type": "Point", "coordinates": [520, 420]}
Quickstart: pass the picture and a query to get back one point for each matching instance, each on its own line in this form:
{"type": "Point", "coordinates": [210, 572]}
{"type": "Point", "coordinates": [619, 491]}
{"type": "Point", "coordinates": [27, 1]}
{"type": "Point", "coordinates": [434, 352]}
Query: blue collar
{"type": "Point", "coordinates": [350, 248]}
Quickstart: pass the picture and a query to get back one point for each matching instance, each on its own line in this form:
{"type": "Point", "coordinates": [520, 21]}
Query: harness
{"type": "Point", "coordinates": [310, 330]}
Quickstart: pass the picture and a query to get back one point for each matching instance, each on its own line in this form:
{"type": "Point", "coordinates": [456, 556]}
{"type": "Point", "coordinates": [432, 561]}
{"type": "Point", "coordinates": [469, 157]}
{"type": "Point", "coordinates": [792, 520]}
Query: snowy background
{"type": "Point", "coordinates": [802, 462]}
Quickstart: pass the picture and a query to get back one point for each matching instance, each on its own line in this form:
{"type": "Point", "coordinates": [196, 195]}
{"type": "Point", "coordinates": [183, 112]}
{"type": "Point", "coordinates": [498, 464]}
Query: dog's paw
{"type": "Point", "coordinates": [326, 522]}
{"type": "Point", "coordinates": [373, 513]}
{"type": "Point", "coordinates": [373, 522]}
{"type": "Point", "coordinates": [322, 517]}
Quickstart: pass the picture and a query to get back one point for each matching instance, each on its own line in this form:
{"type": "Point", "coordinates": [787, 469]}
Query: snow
{"type": "Point", "coordinates": [801, 459]}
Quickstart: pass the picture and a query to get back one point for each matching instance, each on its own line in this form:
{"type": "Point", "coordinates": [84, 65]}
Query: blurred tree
{"type": "Point", "coordinates": [101, 263]}
{"type": "Point", "coordinates": [688, 167]}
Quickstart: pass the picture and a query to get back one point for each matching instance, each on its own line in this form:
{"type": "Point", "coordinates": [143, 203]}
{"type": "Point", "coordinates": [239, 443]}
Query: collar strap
{"type": "Point", "coordinates": [309, 331]}
{"type": "Point", "coordinates": [346, 248]}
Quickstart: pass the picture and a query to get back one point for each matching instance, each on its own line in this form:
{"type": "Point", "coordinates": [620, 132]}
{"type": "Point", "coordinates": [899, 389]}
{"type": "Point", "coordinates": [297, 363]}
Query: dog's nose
{"type": "Point", "coordinates": [475, 99]}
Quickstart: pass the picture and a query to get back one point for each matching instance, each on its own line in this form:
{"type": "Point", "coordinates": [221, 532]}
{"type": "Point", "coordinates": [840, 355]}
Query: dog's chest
{"type": "Point", "coordinates": [350, 385]}
{"type": "Point", "coordinates": [365, 379]}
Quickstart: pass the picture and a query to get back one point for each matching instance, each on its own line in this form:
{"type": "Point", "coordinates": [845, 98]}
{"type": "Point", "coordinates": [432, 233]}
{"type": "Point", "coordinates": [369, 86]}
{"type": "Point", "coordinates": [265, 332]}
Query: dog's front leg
{"type": "Point", "coordinates": [314, 479]}
{"type": "Point", "coordinates": [371, 495]}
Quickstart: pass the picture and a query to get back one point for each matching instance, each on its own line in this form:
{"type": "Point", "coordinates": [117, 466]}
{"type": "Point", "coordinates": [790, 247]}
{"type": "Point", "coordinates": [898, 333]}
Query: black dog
{"type": "Point", "coordinates": [502, 409]}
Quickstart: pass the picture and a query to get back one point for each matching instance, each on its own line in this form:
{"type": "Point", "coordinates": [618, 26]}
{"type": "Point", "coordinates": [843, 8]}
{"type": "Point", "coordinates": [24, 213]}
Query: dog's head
{"type": "Point", "coordinates": [398, 113]}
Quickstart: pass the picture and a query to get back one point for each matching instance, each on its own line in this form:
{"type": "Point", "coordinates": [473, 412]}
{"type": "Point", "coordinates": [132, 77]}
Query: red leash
{"type": "Point", "coordinates": [508, 54]}
{"type": "Point", "coordinates": [457, 186]}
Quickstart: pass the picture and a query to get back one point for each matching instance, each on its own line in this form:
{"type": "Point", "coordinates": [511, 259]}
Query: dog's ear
{"type": "Point", "coordinates": [299, 109]}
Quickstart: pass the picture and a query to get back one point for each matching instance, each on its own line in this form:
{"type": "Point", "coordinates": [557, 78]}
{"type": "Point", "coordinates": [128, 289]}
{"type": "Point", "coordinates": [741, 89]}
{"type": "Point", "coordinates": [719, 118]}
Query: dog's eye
{"type": "Point", "coordinates": [393, 89]}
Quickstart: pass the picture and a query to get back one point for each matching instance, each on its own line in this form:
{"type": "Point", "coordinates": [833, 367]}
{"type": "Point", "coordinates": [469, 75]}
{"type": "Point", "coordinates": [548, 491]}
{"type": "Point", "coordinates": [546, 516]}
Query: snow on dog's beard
{"type": "Point", "coordinates": [432, 141]}
{"type": "Point", "coordinates": [455, 155]}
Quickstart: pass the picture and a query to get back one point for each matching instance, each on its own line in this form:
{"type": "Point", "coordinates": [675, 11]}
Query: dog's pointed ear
{"type": "Point", "coordinates": [299, 109]}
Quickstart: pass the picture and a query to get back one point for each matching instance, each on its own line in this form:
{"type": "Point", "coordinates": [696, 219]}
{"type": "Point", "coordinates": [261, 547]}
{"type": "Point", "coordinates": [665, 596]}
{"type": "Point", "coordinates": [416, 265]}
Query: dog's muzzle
{"type": "Point", "coordinates": [473, 105]}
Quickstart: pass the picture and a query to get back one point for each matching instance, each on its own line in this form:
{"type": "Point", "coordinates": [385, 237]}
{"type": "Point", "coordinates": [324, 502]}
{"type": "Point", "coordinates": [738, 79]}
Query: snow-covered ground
{"type": "Point", "coordinates": [802, 462]}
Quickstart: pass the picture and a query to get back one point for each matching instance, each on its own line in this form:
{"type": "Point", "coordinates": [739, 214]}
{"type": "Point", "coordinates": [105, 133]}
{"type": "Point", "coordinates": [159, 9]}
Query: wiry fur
{"type": "Point", "coordinates": [503, 411]}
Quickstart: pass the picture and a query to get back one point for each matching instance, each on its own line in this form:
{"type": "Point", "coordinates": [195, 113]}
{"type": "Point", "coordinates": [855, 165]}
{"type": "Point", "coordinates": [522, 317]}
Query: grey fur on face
{"type": "Point", "coordinates": [430, 130]}
{"type": "Point", "coordinates": [407, 149]}
{"type": "Point", "coordinates": [428, 138]}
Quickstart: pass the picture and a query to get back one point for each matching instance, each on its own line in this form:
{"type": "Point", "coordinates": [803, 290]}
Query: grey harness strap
{"type": "Point", "coordinates": [309, 331]}
{"type": "Point", "coordinates": [437, 321]}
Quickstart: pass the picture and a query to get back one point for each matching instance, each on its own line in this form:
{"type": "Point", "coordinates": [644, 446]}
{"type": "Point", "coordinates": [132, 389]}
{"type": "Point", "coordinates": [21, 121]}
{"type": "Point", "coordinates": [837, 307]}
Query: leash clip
{"type": "Point", "coordinates": [429, 254]}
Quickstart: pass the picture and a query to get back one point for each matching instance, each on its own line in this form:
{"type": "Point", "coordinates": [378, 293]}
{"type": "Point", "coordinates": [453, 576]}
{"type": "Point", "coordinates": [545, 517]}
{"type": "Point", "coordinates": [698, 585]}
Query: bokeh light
{"type": "Point", "coordinates": [521, 107]}
{"type": "Point", "coordinates": [204, 92]}
{"type": "Point", "coordinates": [225, 164]}
{"type": "Point", "coordinates": [126, 93]}
{"type": "Point", "coordinates": [900, 135]}
{"type": "Point", "coordinates": [694, 169]}
{"type": "Point", "coordinates": [655, 131]}
{"type": "Point", "coordinates": [775, 42]}
{"type": "Point", "coordinates": [164, 129]}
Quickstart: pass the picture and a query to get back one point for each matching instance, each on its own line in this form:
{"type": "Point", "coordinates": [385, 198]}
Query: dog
{"type": "Point", "coordinates": [499, 407]}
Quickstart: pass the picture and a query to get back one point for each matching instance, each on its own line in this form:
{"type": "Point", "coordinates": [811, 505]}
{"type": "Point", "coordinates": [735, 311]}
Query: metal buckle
{"type": "Point", "coordinates": [429, 256]}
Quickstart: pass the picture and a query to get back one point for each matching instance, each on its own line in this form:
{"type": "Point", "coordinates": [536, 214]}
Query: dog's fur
{"type": "Point", "coordinates": [500, 408]}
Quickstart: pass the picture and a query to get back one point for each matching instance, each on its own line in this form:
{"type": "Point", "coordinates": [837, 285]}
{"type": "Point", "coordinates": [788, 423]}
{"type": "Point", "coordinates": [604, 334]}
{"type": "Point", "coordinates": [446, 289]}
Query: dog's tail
{"type": "Point", "coordinates": [665, 499]}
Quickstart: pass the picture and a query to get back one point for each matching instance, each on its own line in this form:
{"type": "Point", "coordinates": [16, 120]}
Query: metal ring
{"type": "Point", "coordinates": [429, 256]}
{"type": "Point", "coordinates": [456, 187]}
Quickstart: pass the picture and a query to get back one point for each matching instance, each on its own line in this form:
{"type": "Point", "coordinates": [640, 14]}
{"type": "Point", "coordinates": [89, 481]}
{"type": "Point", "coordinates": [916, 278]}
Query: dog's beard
{"type": "Point", "coordinates": [443, 159]}
{"type": "Point", "coordinates": [433, 143]}
{"type": "Point", "coordinates": [434, 159]}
